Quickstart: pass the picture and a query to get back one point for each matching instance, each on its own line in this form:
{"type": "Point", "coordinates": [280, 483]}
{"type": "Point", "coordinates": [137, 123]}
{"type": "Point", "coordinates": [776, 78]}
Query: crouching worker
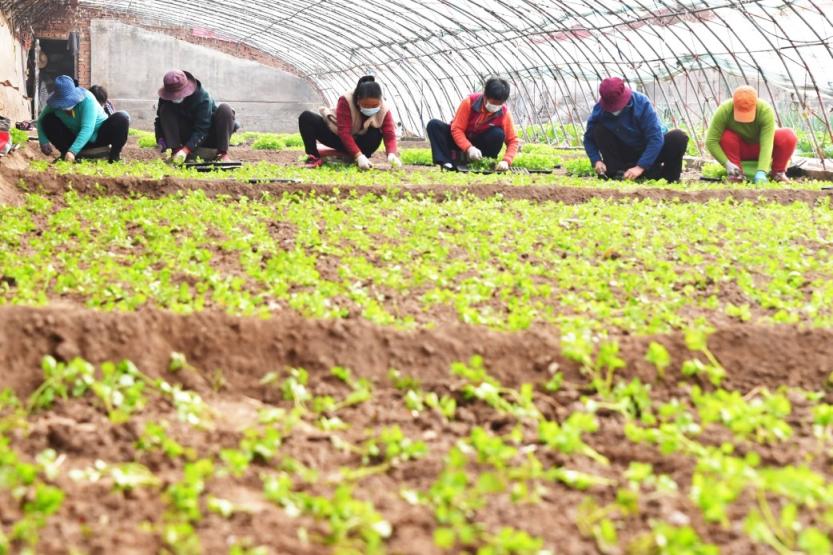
{"type": "Point", "coordinates": [743, 128]}
{"type": "Point", "coordinates": [188, 118]}
{"type": "Point", "coordinates": [480, 128]}
{"type": "Point", "coordinates": [74, 120]}
{"type": "Point", "coordinates": [360, 123]}
{"type": "Point", "coordinates": [624, 137]}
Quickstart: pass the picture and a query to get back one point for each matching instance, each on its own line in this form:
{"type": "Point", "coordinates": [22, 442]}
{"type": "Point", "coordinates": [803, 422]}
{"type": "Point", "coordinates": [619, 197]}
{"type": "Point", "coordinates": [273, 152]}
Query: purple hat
{"type": "Point", "coordinates": [66, 94]}
{"type": "Point", "coordinates": [615, 95]}
{"type": "Point", "coordinates": [177, 86]}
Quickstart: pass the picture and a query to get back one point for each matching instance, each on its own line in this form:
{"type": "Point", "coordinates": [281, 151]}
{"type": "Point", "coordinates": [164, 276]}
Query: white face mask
{"type": "Point", "coordinates": [178, 101]}
{"type": "Point", "coordinates": [370, 111]}
{"type": "Point", "coordinates": [617, 112]}
{"type": "Point", "coordinates": [493, 107]}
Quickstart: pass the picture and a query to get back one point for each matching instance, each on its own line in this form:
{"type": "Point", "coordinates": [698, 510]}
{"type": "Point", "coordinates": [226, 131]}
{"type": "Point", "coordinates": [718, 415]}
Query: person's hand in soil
{"type": "Point", "coordinates": [394, 160]}
{"type": "Point", "coordinates": [634, 173]}
{"type": "Point", "coordinates": [180, 156]}
{"type": "Point", "coordinates": [46, 148]}
{"type": "Point", "coordinates": [502, 166]}
{"type": "Point", "coordinates": [733, 170]}
{"type": "Point", "coordinates": [69, 157]}
{"type": "Point", "coordinates": [761, 178]}
{"type": "Point", "coordinates": [363, 162]}
{"type": "Point", "coordinates": [601, 168]}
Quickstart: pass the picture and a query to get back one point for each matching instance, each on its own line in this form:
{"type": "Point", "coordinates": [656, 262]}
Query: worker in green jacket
{"type": "Point", "coordinates": [744, 129]}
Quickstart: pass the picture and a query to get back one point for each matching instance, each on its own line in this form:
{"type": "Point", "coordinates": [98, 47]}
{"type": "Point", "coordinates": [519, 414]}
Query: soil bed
{"type": "Point", "coordinates": [101, 519]}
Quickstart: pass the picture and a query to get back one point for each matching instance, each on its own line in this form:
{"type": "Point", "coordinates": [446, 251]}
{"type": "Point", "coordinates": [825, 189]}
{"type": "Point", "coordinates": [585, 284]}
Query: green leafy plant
{"type": "Point", "coordinates": [269, 142]}
{"type": "Point", "coordinates": [579, 167]}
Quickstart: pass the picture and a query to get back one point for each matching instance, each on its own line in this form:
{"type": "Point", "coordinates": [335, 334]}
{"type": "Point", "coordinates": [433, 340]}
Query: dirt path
{"type": "Point", "coordinates": [56, 185]}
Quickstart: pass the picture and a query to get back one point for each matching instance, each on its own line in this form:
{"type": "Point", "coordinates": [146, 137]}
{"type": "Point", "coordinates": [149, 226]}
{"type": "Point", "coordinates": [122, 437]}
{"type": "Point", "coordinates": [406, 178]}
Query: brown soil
{"type": "Point", "coordinates": [100, 520]}
{"type": "Point", "coordinates": [52, 184]}
{"type": "Point", "coordinates": [247, 348]}
{"type": "Point", "coordinates": [229, 356]}
{"type": "Point", "coordinates": [16, 161]}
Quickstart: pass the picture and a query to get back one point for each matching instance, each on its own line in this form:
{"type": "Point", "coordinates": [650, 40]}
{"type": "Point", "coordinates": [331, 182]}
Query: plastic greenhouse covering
{"type": "Point", "coordinates": [687, 56]}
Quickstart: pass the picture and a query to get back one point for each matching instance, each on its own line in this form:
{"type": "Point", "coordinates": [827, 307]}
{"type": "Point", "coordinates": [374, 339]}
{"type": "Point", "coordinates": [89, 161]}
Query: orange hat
{"type": "Point", "coordinates": [746, 104]}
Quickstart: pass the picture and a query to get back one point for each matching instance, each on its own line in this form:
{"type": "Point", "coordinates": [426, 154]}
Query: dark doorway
{"type": "Point", "coordinates": [50, 58]}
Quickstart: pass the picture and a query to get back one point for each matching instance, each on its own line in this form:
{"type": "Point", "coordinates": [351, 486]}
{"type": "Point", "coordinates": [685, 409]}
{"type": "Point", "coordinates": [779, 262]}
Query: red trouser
{"type": "Point", "coordinates": [737, 150]}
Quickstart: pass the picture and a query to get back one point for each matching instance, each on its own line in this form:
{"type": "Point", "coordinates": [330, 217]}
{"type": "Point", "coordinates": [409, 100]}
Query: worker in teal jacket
{"type": "Point", "coordinates": [73, 120]}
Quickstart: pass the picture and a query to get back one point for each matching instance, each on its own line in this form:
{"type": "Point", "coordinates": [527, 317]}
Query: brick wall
{"type": "Point", "coordinates": [66, 20]}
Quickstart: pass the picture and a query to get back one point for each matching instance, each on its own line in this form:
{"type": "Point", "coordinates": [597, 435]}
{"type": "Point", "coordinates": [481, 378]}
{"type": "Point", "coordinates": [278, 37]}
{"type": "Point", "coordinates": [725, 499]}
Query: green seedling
{"type": "Point", "coordinates": [567, 436]}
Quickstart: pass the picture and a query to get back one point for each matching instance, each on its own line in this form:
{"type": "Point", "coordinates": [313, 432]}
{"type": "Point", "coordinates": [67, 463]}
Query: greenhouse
{"type": "Point", "coordinates": [483, 277]}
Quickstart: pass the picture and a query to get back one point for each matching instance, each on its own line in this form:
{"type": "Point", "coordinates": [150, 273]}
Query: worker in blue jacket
{"type": "Point", "coordinates": [625, 138]}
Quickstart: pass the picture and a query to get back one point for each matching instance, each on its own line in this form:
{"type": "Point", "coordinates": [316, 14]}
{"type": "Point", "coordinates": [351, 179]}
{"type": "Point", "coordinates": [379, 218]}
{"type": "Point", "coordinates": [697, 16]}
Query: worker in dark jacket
{"type": "Point", "coordinates": [188, 118]}
{"type": "Point", "coordinates": [625, 138]}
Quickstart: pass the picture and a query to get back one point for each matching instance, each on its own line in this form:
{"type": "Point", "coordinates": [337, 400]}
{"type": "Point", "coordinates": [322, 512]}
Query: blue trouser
{"type": "Point", "coordinates": [445, 151]}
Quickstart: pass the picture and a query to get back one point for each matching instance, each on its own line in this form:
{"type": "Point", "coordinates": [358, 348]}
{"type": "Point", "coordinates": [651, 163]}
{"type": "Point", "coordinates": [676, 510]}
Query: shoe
{"type": "Point", "coordinates": [448, 167]}
{"type": "Point", "coordinates": [313, 162]}
{"type": "Point", "coordinates": [781, 177]}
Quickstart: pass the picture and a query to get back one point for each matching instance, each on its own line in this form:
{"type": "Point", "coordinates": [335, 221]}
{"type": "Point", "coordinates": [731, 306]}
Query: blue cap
{"type": "Point", "coordinates": [66, 94]}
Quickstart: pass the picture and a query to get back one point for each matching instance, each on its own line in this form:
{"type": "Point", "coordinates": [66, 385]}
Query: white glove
{"type": "Point", "coordinates": [733, 170]}
{"type": "Point", "coordinates": [394, 160]}
{"type": "Point", "coordinates": [363, 162]}
{"type": "Point", "coordinates": [502, 166]}
{"type": "Point", "coordinates": [180, 157]}
{"type": "Point", "coordinates": [474, 153]}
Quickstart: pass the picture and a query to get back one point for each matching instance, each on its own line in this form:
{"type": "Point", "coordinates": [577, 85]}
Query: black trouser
{"type": "Point", "coordinates": [619, 157]}
{"type": "Point", "coordinates": [314, 128]}
{"type": "Point", "coordinates": [112, 133]}
{"type": "Point", "coordinates": [445, 151]}
{"type": "Point", "coordinates": [177, 129]}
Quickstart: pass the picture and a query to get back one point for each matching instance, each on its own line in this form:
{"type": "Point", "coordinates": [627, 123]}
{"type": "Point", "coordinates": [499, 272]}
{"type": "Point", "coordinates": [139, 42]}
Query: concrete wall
{"type": "Point", "coordinates": [130, 62]}
{"type": "Point", "coordinates": [13, 102]}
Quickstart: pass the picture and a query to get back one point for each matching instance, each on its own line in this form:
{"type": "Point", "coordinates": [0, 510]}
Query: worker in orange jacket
{"type": "Point", "coordinates": [480, 128]}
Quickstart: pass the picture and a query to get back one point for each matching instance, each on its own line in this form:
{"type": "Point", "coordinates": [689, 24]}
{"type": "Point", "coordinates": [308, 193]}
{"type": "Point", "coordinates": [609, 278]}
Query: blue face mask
{"type": "Point", "coordinates": [370, 111]}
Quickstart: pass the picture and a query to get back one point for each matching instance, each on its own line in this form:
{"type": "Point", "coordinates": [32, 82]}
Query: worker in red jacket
{"type": "Point", "coordinates": [480, 128]}
{"type": "Point", "coordinates": [358, 127]}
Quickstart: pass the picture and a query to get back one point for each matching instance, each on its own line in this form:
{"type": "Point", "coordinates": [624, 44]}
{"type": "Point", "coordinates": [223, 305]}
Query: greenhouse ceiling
{"type": "Point", "coordinates": [688, 55]}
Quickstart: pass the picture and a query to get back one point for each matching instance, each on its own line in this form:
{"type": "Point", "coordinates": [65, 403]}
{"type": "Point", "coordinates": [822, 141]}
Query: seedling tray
{"type": "Point", "coordinates": [516, 171]}
{"type": "Point", "coordinates": [214, 166]}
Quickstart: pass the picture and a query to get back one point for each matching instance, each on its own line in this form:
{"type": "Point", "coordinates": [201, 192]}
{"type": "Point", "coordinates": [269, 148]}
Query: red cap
{"type": "Point", "coordinates": [615, 95]}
